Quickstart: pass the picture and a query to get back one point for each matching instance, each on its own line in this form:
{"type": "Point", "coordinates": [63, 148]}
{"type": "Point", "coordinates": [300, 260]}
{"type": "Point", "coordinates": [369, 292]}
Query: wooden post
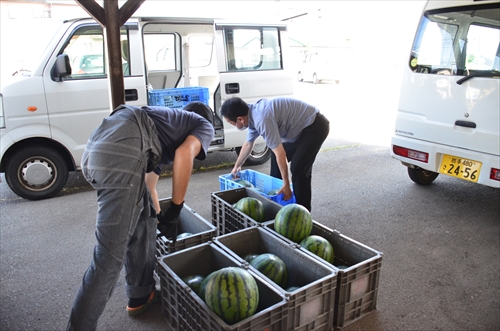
{"type": "Point", "coordinates": [111, 18]}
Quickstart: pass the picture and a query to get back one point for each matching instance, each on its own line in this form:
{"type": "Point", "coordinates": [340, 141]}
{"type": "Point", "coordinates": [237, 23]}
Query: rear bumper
{"type": "Point", "coordinates": [436, 152]}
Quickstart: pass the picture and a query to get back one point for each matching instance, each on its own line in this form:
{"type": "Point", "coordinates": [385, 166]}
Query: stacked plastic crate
{"type": "Point", "coordinates": [177, 98]}
{"type": "Point", "coordinates": [357, 266]}
{"type": "Point", "coordinates": [261, 183]}
{"type": "Point", "coordinates": [196, 229]}
{"type": "Point", "coordinates": [326, 296]}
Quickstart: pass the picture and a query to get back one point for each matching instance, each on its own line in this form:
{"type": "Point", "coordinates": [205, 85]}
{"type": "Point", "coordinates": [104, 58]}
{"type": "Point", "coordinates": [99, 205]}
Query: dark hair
{"type": "Point", "coordinates": [201, 109]}
{"type": "Point", "coordinates": [234, 108]}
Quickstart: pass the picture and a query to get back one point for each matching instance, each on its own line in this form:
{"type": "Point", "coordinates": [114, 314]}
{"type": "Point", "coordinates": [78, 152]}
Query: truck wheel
{"type": "Point", "coordinates": [260, 154]}
{"type": "Point", "coordinates": [315, 79]}
{"type": "Point", "coordinates": [299, 77]}
{"type": "Point", "coordinates": [36, 173]}
{"type": "Point", "coordinates": [421, 176]}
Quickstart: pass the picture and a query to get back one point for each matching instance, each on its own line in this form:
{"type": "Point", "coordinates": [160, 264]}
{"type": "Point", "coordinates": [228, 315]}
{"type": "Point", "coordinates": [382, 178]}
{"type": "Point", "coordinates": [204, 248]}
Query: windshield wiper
{"type": "Point", "coordinates": [478, 74]}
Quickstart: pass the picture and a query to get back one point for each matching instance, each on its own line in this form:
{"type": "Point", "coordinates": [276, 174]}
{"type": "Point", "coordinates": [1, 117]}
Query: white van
{"type": "Point", "coordinates": [448, 119]}
{"type": "Point", "coordinates": [47, 116]}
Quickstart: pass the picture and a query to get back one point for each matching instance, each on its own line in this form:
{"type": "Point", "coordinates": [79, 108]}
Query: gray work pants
{"type": "Point", "coordinates": [114, 163]}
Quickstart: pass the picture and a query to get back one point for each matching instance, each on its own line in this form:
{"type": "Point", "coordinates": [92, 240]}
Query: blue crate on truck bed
{"type": "Point", "coordinates": [177, 98]}
{"type": "Point", "coordinates": [261, 183]}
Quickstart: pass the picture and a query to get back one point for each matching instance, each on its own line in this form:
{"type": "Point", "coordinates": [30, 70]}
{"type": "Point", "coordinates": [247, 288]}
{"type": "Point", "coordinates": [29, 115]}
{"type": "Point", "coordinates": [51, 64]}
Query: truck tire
{"type": "Point", "coordinates": [260, 154]}
{"type": "Point", "coordinates": [421, 176]}
{"type": "Point", "coordinates": [36, 173]}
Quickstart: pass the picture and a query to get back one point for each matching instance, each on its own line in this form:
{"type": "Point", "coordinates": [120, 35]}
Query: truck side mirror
{"type": "Point", "coordinates": [61, 68]}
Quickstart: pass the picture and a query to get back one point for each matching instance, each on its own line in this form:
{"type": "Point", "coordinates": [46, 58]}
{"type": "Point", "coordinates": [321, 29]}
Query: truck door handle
{"type": "Point", "coordinates": [232, 88]}
{"type": "Point", "coordinates": [466, 124]}
{"type": "Point", "coordinates": [131, 95]}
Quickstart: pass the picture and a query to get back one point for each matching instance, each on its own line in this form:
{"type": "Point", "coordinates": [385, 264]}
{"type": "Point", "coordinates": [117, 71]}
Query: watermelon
{"type": "Point", "coordinates": [250, 257]}
{"type": "Point", "coordinates": [319, 246]}
{"type": "Point", "coordinates": [232, 293]}
{"type": "Point", "coordinates": [294, 222]}
{"type": "Point", "coordinates": [252, 207]}
{"type": "Point", "coordinates": [203, 285]}
{"type": "Point", "coordinates": [243, 182]}
{"type": "Point", "coordinates": [194, 282]}
{"type": "Point", "coordinates": [273, 192]}
{"type": "Point", "coordinates": [272, 267]}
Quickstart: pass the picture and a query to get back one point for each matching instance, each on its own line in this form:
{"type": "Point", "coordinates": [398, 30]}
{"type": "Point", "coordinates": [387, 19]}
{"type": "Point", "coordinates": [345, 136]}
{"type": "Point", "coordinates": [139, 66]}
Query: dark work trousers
{"type": "Point", "coordinates": [114, 163]}
{"type": "Point", "coordinates": [301, 154]}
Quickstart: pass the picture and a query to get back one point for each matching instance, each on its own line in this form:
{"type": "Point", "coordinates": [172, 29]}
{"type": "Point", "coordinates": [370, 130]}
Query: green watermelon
{"type": "Point", "coordinates": [319, 246]}
{"type": "Point", "coordinates": [250, 257]}
{"type": "Point", "coordinates": [243, 182]}
{"type": "Point", "coordinates": [294, 222]}
{"type": "Point", "coordinates": [194, 282]}
{"type": "Point", "coordinates": [203, 285]}
{"type": "Point", "coordinates": [232, 293]}
{"type": "Point", "coordinates": [272, 267]}
{"type": "Point", "coordinates": [252, 207]}
{"type": "Point", "coordinates": [273, 192]}
{"type": "Point", "coordinates": [184, 235]}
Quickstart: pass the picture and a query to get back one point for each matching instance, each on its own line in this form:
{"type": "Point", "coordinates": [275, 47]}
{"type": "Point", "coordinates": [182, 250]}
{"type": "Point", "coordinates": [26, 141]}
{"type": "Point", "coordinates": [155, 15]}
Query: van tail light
{"type": "Point", "coordinates": [410, 153]}
{"type": "Point", "coordinates": [495, 174]}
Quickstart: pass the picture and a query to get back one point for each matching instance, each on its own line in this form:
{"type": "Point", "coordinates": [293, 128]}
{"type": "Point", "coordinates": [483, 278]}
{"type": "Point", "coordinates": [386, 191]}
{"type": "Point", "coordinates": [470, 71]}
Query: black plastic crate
{"type": "Point", "coordinates": [227, 219]}
{"type": "Point", "coordinates": [184, 310]}
{"type": "Point", "coordinates": [189, 221]}
{"type": "Point", "coordinates": [312, 305]}
{"type": "Point", "coordinates": [357, 287]}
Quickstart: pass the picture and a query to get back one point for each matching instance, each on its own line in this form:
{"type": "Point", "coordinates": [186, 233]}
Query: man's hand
{"type": "Point", "coordinates": [287, 192]}
{"type": "Point", "coordinates": [168, 221]}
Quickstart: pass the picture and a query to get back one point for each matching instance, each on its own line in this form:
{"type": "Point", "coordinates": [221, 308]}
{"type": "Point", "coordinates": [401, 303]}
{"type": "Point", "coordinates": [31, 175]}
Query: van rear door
{"type": "Point", "coordinates": [252, 65]}
{"type": "Point", "coordinates": [452, 95]}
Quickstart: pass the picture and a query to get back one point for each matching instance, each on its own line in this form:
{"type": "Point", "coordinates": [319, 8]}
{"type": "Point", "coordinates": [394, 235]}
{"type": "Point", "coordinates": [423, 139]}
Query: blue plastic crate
{"type": "Point", "coordinates": [262, 183]}
{"type": "Point", "coordinates": [178, 97]}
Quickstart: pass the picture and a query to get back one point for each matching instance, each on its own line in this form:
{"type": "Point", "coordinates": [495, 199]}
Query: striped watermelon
{"type": "Point", "coordinates": [272, 267]}
{"type": "Point", "coordinates": [273, 192]}
{"type": "Point", "coordinates": [203, 285]}
{"type": "Point", "coordinates": [244, 183]}
{"type": "Point", "coordinates": [232, 293]}
{"type": "Point", "coordinates": [319, 246]}
{"type": "Point", "coordinates": [252, 207]}
{"type": "Point", "coordinates": [250, 257]}
{"type": "Point", "coordinates": [294, 222]}
{"type": "Point", "coordinates": [194, 282]}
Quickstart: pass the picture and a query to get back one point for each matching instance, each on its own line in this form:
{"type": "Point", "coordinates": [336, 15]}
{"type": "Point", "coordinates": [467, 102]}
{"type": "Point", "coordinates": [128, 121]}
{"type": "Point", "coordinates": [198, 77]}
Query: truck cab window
{"type": "Point", "coordinates": [85, 49]}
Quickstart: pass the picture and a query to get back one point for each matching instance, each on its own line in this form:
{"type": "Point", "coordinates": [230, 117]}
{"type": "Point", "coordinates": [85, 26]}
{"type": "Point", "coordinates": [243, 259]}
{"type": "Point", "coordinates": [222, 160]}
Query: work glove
{"type": "Point", "coordinates": [168, 221]}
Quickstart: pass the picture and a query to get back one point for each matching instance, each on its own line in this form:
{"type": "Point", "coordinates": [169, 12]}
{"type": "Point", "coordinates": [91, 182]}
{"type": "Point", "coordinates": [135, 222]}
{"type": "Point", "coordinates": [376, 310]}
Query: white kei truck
{"type": "Point", "coordinates": [47, 115]}
{"type": "Point", "coordinates": [448, 119]}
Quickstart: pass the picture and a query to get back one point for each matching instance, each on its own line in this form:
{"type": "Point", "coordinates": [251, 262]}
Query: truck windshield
{"type": "Point", "coordinates": [459, 42]}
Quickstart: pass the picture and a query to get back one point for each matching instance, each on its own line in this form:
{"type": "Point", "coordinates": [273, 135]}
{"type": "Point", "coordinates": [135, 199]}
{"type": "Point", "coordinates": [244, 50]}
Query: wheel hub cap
{"type": "Point", "coordinates": [37, 173]}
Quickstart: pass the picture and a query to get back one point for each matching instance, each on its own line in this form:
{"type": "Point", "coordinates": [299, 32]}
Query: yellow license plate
{"type": "Point", "coordinates": [460, 168]}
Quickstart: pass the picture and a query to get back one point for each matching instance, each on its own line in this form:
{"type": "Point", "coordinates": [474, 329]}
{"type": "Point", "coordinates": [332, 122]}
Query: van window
{"type": "Point", "coordinates": [159, 49]}
{"type": "Point", "coordinates": [451, 42]}
{"type": "Point", "coordinates": [85, 49]}
{"type": "Point", "coordinates": [200, 50]}
{"type": "Point", "coordinates": [252, 49]}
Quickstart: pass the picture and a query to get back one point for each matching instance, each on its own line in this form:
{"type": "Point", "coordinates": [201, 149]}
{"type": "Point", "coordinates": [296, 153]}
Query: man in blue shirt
{"type": "Point", "coordinates": [121, 162]}
{"type": "Point", "coordinates": [293, 129]}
